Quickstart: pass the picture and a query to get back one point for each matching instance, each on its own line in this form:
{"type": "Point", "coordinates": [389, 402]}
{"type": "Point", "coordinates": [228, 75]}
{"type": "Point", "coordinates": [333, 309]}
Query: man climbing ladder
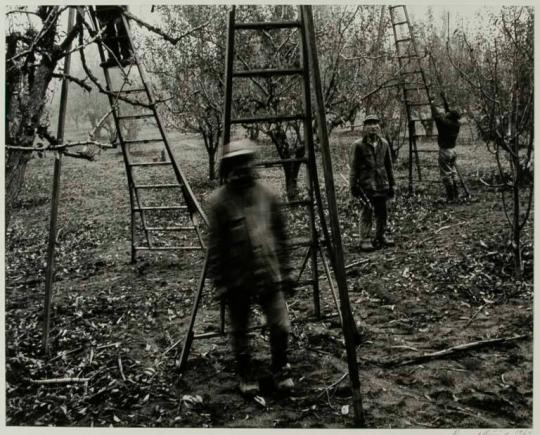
{"type": "Point", "coordinates": [448, 127]}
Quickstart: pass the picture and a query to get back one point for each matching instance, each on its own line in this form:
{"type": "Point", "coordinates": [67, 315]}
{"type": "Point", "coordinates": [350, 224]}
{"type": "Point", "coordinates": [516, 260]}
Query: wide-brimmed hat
{"type": "Point", "coordinates": [237, 148]}
{"type": "Point", "coordinates": [371, 118]}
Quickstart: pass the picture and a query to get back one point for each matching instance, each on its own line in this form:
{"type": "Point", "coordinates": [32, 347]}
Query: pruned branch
{"type": "Point", "coordinates": [165, 35]}
{"type": "Point", "coordinates": [59, 147]}
{"type": "Point", "coordinates": [453, 350]}
{"type": "Point", "coordinates": [49, 21]}
{"type": "Point", "coordinates": [81, 82]}
{"type": "Point", "coordinates": [59, 381]}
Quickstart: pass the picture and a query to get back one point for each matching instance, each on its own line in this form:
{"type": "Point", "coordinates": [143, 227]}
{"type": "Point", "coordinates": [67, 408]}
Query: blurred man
{"type": "Point", "coordinates": [372, 182]}
{"type": "Point", "coordinates": [248, 261]}
{"type": "Point", "coordinates": [448, 129]}
{"type": "Point", "coordinates": [115, 35]}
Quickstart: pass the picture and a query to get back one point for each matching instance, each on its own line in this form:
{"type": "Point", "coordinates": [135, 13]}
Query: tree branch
{"type": "Point", "coordinates": [454, 349]}
{"type": "Point", "coordinates": [163, 34]}
{"type": "Point", "coordinates": [78, 81]}
{"type": "Point", "coordinates": [59, 147]}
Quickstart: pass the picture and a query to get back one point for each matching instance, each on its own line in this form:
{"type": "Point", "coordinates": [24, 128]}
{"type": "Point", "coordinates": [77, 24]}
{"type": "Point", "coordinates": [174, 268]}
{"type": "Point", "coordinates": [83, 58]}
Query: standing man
{"type": "Point", "coordinates": [248, 261]}
{"type": "Point", "coordinates": [372, 181]}
{"type": "Point", "coordinates": [448, 129]}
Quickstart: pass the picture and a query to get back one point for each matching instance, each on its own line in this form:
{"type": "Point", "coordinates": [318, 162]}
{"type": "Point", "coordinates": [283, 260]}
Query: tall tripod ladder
{"type": "Point", "coordinates": [416, 95]}
{"type": "Point", "coordinates": [165, 215]}
{"type": "Point", "coordinates": [314, 244]}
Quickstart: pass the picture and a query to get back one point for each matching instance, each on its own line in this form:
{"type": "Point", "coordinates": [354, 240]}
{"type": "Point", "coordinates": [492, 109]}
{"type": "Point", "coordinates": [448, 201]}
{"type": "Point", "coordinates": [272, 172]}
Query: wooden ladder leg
{"type": "Point", "coordinates": [331, 284]}
{"type": "Point", "coordinates": [189, 335]}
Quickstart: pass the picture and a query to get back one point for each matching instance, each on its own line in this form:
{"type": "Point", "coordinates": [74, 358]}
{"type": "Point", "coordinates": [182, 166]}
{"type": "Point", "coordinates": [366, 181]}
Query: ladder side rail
{"type": "Point", "coordinates": [229, 61]}
{"type": "Point", "coordinates": [189, 335]}
{"type": "Point", "coordinates": [349, 327]}
{"type": "Point", "coordinates": [426, 87]}
{"type": "Point", "coordinates": [133, 198]}
{"type": "Point", "coordinates": [189, 197]}
{"type": "Point", "coordinates": [309, 142]}
{"type": "Point", "coordinates": [415, 48]}
{"type": "Point", "coordinates": [410, 122]}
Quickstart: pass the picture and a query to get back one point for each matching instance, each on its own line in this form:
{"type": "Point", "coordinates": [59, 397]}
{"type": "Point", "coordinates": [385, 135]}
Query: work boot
{"type": "Point", "coordinates": [282, 379]}
{"type": "Point", "coordinates": [127, 61]}
{"type": "Point", "coordinates": [455, 192]}
{"type": "Point", "coordinates": [367, 246]}
{"type": "Point", "coordinates": [248, 387]}
{"type": "Point", "coordinates": [387, 241]}
{"type": "Point", "coordinates": [109, 63]}
{"type": "Point", "coordinates": [449, 193]}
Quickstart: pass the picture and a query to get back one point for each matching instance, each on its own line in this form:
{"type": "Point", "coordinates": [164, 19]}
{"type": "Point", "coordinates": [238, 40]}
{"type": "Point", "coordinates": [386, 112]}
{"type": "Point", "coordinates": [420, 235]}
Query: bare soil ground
{"type": "Point", "coordinates": [447, 282]}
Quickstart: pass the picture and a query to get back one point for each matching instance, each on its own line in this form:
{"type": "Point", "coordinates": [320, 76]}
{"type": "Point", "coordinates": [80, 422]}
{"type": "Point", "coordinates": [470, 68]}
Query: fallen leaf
{"type": "Point", "coordinates": [260, 400]}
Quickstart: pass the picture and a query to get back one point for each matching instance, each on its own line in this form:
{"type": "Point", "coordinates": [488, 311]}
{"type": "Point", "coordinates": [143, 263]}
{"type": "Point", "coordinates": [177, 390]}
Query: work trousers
{"type": "Point", "coordinates": [447, 167]}
{"type": "Point", "coordinates": [277, 320]}
{"type": "Point", "coordinates": [376, 208]}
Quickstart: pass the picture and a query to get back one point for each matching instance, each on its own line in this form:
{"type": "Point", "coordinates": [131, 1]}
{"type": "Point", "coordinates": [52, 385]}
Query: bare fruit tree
{"type": "Point", "coordinates": [499, 72]}
{"type": "Point", "coordinates": [36, 42]}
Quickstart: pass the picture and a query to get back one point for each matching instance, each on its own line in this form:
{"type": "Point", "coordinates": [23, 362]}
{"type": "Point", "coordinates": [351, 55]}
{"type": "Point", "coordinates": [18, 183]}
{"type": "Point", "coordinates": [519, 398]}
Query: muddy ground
{"type": "Point", "coordinates": [120, 326]}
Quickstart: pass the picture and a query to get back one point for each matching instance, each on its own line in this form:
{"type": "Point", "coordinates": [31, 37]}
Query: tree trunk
{"type": "Point", "coordinates": [28, 119]}
{"type": "Point", "coordinates": [212, 163]}
{"type": "Point", "coordinates": [15, 170]}
{"type": "Point", "coordinates": [291, 180]}
{"type": "Point", "coordinates": [516, 236]}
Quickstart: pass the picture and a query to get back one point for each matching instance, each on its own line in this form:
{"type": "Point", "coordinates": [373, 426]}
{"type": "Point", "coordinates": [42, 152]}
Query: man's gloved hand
{"type": "Point", "coordinates": [391, 192]}
{"type": "Point", "coordinates": [288, 286]}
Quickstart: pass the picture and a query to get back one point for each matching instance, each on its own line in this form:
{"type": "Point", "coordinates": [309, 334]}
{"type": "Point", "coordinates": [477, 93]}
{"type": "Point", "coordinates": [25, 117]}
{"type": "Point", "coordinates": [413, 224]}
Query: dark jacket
{"type": "Point", "coordinates": [247, 240]}
{"type": "Point", "coordinates": [371, 168]}
{"type": "Point", "coordinates": [448, 129]}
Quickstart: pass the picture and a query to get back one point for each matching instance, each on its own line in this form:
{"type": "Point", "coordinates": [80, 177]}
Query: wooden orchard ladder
{"type": "Point", "coordinates": [416, 96]}
{"type": "Point", "coordinates": [164, 210]}
{"type": "Point", "coordinates": [313, 202]}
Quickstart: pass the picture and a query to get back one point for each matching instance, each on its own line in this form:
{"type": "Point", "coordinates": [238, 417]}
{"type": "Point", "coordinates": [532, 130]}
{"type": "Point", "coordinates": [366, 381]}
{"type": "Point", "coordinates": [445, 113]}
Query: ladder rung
{"type": "Point", "coordinates": [177, 228]}
{"type": "Point", "coordinates": [416, 104]}
{"type": "Point", "coordinates": [268, 163]}
{"type": "Point", "coordinates": [167, 248]}
{"type": "Point", "coordinates": [402, 40]}
{"type": "Point", "coordinates": [294, 243]}
{"type": "Point", "coordinates": [157, 186]}
{"type": "Point", "coordinates": [129, 91]}
{"type": "Point", "coordinates": [267, 25]}
{"type": "Point", "coordinates": [417, 88]}
{"type": "Point", "coordinates": [142, 141]}
{"type": "Point", "coordinates": [150, 163]}
{"type": "Point", "coordinates": [305, 283]}
{"type": "Point", "coordinates": [408, 56]}
{"type": "Point", "coordinates": [143, 115]}
{"type": "Point", "coordinates": [413, 85]}
{"type": "Point", "coordinates": [161, 207]}
{"type": "Point", "coordinates": [399, 23]}
{"type": "Point", "coordinates": [410, 72]}
{"type": "Point", "coordinates": [120, 64]}
{"type": "Point", "coordinates": [427, 151]}
{"type": "Point", "coordinates": [268, 72]}
{"type": "Point", "coordinates": [295, 203]}
{"type": "Point", "coordinates": [279, 118]}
